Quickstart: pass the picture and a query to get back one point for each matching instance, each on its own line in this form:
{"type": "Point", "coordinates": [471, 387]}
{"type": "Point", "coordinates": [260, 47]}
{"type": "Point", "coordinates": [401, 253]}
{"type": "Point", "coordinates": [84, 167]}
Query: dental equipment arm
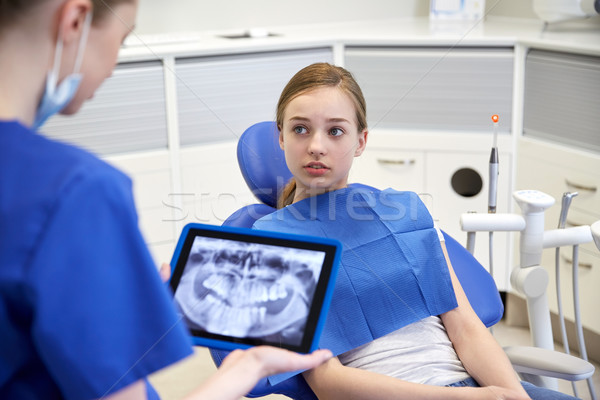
{"type": "Point", "coordinates": [530, 279]}
{"type": "Point", "coordinates": [534, 361]}
{"type": "Point", "coordinates": [573, 236]}
{"type": "Point", "coordinates": [473, 222]}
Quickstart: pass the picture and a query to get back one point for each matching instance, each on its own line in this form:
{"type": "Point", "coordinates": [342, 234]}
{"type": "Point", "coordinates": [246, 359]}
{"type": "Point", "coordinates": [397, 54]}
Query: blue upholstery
{"type": "Point", "coordinates": [263, 166]}
{"type": "Point", "coordinates": [262, 161]}
{"type": "Point", "coordinates": [478, 284]}
{"type": "Point", "coordinates": [246, 216]}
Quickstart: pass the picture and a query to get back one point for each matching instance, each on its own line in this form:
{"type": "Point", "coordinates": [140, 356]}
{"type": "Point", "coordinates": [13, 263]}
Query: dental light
{"type": "Point", "coordinates": [561, 10]}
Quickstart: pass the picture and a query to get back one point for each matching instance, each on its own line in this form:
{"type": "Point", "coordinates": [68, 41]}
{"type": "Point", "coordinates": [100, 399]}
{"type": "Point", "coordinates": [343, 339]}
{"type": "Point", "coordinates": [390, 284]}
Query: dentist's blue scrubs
{"type": "Point", "coordinates": [83, 312]}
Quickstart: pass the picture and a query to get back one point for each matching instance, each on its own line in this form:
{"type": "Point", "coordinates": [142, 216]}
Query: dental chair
{"type": "Point", "coordinates": [263, 167]}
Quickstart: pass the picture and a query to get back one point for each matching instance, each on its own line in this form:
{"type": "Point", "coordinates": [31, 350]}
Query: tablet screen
{"type": "Point", "coordinates": [236, 288]}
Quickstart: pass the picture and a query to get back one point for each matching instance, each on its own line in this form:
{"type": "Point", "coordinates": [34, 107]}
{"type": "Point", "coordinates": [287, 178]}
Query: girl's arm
{"type": "Point", "coordinates": [477, 349]}
{"type": "Point", "coordinates": [334, 381]}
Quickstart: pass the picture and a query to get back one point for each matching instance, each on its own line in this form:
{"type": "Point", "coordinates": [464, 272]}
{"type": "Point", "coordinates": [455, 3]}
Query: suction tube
{"type": "Point", "coordinates": [562, 221]}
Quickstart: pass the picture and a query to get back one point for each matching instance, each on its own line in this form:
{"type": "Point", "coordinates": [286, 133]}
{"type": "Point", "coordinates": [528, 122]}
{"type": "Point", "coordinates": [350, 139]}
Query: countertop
{"type": "Point", "coordinates": [581, 36]}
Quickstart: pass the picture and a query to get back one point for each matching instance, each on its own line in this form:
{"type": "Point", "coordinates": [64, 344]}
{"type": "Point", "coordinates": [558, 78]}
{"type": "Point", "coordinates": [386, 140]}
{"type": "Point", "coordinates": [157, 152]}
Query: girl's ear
{"type": "Point", "coordinates": [362, 142]}
{"type": "Point", "coordinates": [280, 137]}
{"type": "Point", "coordinates": [72, 18]}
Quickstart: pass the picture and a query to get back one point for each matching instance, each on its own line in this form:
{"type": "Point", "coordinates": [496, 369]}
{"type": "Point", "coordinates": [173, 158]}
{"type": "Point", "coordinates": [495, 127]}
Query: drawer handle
{"type": "Point", "coordinates": [570, 261]}
{"type": "Point", "coordinates": [396, 162]}
{"type": "Point", "coordinates": [580, 186]}
{"type": "Point", "coordinates": [570, 222]}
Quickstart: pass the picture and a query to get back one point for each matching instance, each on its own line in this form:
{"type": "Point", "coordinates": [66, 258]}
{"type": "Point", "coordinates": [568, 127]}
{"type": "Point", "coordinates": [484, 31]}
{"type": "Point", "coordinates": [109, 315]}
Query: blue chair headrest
{"type": "Point", "coordinates": [262, 161]}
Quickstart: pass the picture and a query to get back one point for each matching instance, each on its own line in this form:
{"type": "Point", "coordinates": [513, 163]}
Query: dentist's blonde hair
{"type": "Point", "coordinates": [313, 77]}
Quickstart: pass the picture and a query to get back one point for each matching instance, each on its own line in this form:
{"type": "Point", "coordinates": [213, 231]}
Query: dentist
{"type": "Point", "coordinates": [83, 312]}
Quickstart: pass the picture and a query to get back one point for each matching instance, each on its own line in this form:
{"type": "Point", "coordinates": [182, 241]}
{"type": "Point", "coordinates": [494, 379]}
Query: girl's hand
{"type": "Point", "coordinates": [499, 393]}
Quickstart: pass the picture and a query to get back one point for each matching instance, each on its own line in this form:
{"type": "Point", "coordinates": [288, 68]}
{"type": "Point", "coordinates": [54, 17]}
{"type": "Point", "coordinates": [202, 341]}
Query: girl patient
{"type": "Point", "coordinates": [400, 323]}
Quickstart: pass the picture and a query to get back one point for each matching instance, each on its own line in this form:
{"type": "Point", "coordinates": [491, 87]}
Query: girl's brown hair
{"type": "Point", "coordinates": [11, 11]}
{"type": "Point", "coordinates": [316, 76]}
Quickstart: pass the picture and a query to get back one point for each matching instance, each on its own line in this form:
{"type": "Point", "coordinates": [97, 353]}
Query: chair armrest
{"type": "Point", "coordinates": [544, 362]}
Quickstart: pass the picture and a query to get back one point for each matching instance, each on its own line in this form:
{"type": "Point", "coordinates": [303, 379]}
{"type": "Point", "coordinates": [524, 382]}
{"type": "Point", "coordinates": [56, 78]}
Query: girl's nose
{"type": "Point", "coordinates": [317, 145]}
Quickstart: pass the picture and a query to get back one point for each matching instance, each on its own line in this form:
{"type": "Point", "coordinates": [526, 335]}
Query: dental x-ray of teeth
{"type": "Point", "coordinates": [241, 289]}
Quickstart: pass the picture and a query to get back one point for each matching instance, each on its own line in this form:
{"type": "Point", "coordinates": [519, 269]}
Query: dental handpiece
{"type": "Point", "coordinates": [493, 170]}
{"type": "Point", "coordinates": [566, 203]}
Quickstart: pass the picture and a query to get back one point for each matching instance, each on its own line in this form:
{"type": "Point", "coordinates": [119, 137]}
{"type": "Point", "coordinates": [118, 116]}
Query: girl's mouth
{"type": "Point", "coordinates": [316, 169]}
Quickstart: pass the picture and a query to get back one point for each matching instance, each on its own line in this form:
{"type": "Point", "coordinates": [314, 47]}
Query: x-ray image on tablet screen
{"type": "Point", "coordinates": [239, 287]}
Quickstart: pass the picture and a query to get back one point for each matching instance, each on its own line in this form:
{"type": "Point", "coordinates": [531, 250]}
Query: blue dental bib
{"type": "Point", "coordinates": [392, 272]}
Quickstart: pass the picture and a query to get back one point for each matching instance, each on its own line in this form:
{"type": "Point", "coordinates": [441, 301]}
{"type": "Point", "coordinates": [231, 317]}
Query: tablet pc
{"type": "Point", "coordinates": [238, 287]}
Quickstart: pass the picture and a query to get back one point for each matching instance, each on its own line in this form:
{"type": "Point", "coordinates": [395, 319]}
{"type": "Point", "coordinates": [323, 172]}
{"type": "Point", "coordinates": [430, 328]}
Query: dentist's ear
{"type": "Point", "coordinates": [362, 142]}
{"type": "Point", "coordinates": [72, 19]}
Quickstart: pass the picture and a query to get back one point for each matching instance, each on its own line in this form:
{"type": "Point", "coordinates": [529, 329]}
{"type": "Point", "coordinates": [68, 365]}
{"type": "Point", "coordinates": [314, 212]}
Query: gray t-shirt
{"type": "Point", "coordinates": [420, 352]}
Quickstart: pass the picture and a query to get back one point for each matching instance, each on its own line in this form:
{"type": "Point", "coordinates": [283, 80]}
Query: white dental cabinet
{"type": "Point", "coordinates": [172, 112]}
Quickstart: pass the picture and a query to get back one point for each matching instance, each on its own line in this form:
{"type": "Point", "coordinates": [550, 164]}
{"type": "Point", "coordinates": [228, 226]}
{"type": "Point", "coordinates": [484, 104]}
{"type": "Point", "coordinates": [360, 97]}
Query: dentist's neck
{"type": "Point", "coordinates": [23, 74]}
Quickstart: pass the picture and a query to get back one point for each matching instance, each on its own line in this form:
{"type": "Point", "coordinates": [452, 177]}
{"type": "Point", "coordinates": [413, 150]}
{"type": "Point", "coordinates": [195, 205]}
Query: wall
{"type": "Point", "coordinates": [510, 8]}
{"type": "Point", "coordinates": [159, 16]}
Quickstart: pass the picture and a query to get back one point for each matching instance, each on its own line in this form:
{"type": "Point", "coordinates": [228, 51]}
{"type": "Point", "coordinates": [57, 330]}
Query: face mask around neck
{"type": "Point", "coordinates": [58, 95]}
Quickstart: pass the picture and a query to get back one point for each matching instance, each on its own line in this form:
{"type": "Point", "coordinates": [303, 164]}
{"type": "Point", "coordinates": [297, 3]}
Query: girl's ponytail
{"type": "Point", "coordinates": [286, 197]}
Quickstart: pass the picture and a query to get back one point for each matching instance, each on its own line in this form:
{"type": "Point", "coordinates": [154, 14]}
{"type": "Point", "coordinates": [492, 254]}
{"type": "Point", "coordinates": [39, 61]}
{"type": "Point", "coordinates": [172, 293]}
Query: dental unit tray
{"type": "Point", "coordinates": [237, 287]}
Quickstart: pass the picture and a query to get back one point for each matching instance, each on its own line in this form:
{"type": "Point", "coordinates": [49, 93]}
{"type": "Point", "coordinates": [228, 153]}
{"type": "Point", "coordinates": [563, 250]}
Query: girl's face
{"type": "Point", "coordinates": [320, 139]}
{"type": "Point", "coordinates": [101, 51]}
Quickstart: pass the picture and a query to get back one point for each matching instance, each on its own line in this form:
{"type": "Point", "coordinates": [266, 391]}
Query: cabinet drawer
{"type": "Point", "coordinates": [576, 217]}
{"type": "Point", "coordinates": [555, 170]}
{"type": "Point", "coordinates": [383, 168]}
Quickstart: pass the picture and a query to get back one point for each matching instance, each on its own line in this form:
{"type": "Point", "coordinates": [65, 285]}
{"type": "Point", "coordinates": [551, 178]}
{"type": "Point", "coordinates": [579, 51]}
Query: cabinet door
{"type": "Point", "coordinates": [219, 97]}
{"type": "Point", "coordinates": [454, 89]}
{"type": "Point", "coordinates": [457, 183]}
{"type": "Point", "coordinates": [212, 184]}
{"type": "Point", "coordinates": [152, 188]}
{"type": "Point", "coordinates": [127, 113]}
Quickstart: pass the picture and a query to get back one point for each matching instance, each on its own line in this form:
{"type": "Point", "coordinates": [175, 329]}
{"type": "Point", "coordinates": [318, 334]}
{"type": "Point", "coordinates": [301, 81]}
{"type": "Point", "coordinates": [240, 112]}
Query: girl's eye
{"type": "Point", "coordinates": [336, 132]}
{"type": "Point", "coordinates": [300, 130]}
